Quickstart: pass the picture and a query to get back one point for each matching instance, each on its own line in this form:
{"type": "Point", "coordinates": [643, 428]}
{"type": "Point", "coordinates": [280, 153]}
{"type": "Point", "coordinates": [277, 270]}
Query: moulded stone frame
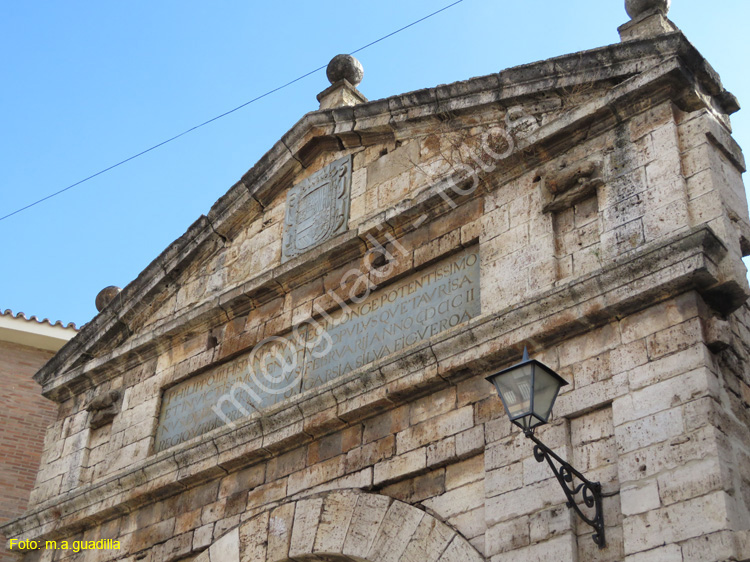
{"type": "Point", "coordinates": [285, 332]}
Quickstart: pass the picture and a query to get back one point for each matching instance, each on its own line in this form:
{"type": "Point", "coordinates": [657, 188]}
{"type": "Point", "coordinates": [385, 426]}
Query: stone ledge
{"type": "Point", "coordinates": [687, 262]}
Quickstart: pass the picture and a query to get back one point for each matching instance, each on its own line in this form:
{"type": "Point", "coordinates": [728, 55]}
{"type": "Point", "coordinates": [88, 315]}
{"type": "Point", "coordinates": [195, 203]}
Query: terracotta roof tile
{"type": "Point", "coordinates": [22, 316]}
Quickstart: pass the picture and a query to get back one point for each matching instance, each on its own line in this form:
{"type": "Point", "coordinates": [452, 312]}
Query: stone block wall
{"type": "Point", "coordinates": [643, 418]}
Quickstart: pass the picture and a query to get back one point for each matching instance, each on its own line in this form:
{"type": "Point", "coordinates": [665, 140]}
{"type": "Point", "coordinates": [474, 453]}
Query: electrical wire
{"type": "Point", "coordinates": [191, 129]}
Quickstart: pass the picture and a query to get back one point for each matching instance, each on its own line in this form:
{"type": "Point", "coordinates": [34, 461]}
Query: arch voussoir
{"type": "Point", "coordinates": [342, 526]}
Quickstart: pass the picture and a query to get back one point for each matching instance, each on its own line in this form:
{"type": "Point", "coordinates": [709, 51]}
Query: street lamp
{"type": "Point", "coordinates": [528, 391]}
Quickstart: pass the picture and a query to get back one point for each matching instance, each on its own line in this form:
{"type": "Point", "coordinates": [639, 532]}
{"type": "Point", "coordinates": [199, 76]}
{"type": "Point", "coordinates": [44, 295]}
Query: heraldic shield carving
{"type": "Point", "coordinates": [317, 208]}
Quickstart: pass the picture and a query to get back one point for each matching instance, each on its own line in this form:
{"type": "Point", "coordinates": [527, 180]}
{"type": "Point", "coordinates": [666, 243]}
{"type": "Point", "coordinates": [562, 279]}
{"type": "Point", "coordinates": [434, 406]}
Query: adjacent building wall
{"type": "Point", "coordinates": [25, 345]}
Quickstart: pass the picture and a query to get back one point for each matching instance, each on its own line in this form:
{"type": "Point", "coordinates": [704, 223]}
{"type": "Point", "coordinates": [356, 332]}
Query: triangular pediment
{"type": "Point", "coordinates": [228, 262]}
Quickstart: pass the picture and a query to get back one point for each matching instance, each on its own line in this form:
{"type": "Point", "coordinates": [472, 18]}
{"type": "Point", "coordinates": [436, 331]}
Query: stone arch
{"type": "Point", "coordinates": [342, 526]}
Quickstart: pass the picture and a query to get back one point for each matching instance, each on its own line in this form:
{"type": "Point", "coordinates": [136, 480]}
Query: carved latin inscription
{"type": "Point", "coordinates": [317, 208]}
{"type": "Point", "coordinates": [405, 313]}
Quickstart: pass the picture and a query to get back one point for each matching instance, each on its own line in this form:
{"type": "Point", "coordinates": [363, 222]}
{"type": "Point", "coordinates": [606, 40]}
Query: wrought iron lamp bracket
{"type": "Point", "coordinates": [591, 492]}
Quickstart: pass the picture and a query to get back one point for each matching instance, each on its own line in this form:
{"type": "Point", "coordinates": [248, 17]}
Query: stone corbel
{"type": "Point", "coordinates": [718, 334]}
{"type": "Point", "coordinates": [519, 122]}
{"type": "Point", "coordinates": [563, 187]}
{"type": "Point", "coordinates": [103, 408]}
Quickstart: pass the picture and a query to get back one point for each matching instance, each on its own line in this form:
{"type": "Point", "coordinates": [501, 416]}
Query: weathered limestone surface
{"type": "Point", "coordinates": [603, 194]}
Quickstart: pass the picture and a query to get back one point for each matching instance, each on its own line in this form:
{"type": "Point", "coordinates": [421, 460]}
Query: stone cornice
{"type": "Point", "coordinates": [687, 261]}
{"type": "Point", "coordinates": [75, 367]}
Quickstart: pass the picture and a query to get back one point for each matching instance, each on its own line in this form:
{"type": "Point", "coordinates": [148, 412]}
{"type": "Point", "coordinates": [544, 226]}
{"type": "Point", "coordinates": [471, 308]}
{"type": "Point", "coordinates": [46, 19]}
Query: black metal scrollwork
{"type": "Point", "coordinates": [591, 492]}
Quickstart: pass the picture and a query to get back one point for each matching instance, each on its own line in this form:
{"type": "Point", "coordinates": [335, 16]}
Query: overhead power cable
{"type": "Point", "coordinates": [191, 129]}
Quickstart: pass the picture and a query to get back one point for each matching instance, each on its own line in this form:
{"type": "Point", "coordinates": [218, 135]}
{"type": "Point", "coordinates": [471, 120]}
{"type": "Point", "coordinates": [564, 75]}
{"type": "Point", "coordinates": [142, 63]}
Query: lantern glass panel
{"type": "Point", "coordinates": [514, 388]}
{"type": "Point", "coordinates": [527, 422]}
{"type": "Point", "coordinates": [546, 387]}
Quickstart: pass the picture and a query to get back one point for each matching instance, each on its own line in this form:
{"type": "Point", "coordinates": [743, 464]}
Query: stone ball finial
{"type": "Point", "coordinates": [105, 296]}
{"type": "Point", "coordinates": [635, 8]}
{"type": "Point", "coordinates": [345, 67]}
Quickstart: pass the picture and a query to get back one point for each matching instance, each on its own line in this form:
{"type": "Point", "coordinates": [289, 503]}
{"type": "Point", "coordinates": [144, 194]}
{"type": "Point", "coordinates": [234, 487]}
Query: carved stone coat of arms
{"type": "Point", "coordinates": [317, 208]}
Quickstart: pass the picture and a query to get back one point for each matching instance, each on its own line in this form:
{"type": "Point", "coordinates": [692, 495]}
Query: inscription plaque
{"type": "Point", "coordinates": [317, 208]}
{"type": "Point", "coordinates": [390, 319]}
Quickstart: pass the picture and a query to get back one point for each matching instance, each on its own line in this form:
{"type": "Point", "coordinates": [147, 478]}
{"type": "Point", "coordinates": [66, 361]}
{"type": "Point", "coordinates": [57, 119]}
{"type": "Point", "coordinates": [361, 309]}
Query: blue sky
{"type": "Point", "coordinates": [87, 84]}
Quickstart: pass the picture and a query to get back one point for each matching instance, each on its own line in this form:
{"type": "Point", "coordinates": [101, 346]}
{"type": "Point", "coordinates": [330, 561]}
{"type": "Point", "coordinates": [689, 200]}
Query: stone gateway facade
{"type": "Point", "coordinates": [301, 376]}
